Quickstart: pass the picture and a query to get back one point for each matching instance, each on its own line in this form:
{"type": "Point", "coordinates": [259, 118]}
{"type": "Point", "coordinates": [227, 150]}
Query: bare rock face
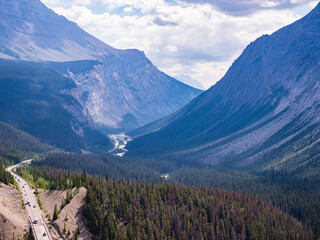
{"type": "Point", "coordinates": [128, 84]}
{"type": "Point", "coordinates": [265, 110]}
{"type": "Point", "coordinates": [122, 91]}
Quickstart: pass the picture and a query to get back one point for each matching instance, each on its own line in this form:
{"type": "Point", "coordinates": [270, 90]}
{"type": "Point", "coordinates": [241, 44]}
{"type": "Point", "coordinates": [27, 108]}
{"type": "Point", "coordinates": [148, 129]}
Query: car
{"type": "Point", "coordinates": [44, 234]}
{"type": "Point", "coordinates": [34, 206]}
{"type": "Point", "coordinates": [22, 186]}
{"type": "Point", "coordinates": [35, 221]}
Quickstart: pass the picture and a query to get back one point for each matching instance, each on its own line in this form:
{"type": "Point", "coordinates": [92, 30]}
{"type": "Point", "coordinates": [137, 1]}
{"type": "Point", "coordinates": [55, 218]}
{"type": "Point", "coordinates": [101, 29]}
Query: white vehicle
{"type": "Point", "coordinates": [35, 221]}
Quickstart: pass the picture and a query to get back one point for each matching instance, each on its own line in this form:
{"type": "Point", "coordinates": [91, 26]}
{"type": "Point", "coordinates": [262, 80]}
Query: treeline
{"type": "Point", "coordinates": [51, 178]}
{"type": "Point", "coordinates": [16, 145]}
{"type": "Point", "coordinates": [116, 167]}
{"type": "Point", "coordinates": [121, 209]}
{"type": "Point", "coordinates": [137, 210]}
{"type": "Point", "coordinates": [299, 197]}
{"type": "Point", "coordinates": [12, 140]}
{"type": "Point", "coordinates": [5, 177]}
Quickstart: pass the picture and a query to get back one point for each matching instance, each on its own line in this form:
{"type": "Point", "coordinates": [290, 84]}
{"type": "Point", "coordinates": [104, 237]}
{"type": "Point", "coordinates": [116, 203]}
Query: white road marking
{"type": "Point", "coordinates": [34, 213]}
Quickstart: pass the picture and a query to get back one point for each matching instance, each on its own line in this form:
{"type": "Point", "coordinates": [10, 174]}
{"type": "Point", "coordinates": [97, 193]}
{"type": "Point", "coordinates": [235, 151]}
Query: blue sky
{"type": "Point", "coordinates": [195, 38]}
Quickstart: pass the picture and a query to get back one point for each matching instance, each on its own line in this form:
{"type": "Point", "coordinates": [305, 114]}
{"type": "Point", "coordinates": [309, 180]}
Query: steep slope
{"type": "Point", "coordinates": [126, 90]}
{"type": "Point", "coordinates": [13, 140]}
{"type": "Point", "coordinates": [121, 89]}
{"type": "Point", "coordinates": [14, 223]}
{"type": "Point", "coordinates": [72, 210]}
{"type": "Point", "coordinates": [265, 109]}
{"type": "Point", "coordinates": [31, 31]}
{"type": "Point", "coordinates": [32, 99]}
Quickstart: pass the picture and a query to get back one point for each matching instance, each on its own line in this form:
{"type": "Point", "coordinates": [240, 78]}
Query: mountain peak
{"type": "Point", "coordinates": [313, 16]}
{"type": "Point", "coordinates": [260, 106]}
{"type": "Point", "coordinates": [112, 83]}
{"type": "Point", "coordinates": [24, 8]}
{"type": "Point", "coordinates": [31, 31]}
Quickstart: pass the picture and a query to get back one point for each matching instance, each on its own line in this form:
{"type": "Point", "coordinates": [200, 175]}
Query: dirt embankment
{"type": "Point", "coordinates": [13, 218]}
{"type": "Point", "coordinates": [70, 216]}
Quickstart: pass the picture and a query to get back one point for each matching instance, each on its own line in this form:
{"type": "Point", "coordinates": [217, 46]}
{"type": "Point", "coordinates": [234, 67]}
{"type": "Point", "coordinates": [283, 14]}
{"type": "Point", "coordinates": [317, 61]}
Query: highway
{"type": "Point", "coordinates": [39, 228]}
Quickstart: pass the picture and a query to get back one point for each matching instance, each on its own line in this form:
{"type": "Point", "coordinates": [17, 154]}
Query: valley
{"type": "Point", "coordinates": [120, 141]}
{"type": "Point", "coordinates": [262, 114]}
{"type": "Point", "coordinates": [97, 142]}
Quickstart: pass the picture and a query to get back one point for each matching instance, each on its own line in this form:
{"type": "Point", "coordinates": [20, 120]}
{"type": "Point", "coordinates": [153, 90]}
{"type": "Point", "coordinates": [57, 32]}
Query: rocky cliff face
{"type": "Point", "coordinates": [36, 100]}
{"type": "Point", "coordinates": [265, 109]}
{"type": "Point", "coordinates": [121, 90]}
{"type": "Point", "coordinates": [128, 88]}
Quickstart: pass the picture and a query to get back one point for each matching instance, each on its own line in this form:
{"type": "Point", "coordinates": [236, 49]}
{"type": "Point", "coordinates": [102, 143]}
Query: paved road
{"type": "Point", "coordinates": [34, 213]}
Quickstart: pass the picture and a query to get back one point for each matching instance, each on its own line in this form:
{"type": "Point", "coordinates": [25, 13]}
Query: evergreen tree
{"type": "Point", "coordinates": [55, 213]}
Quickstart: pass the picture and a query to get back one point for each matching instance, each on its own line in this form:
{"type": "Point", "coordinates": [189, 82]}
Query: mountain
{"type": "Point", "coordinates": [125, 91]}
{"type": "Point", "coordinates": [13, 140]}
{"type": "Point", "coordinates": [121, 89]}
{"type": "Point", "coordinates": [189, 81]}
{"type": "Point", "coordinates": [31, 31]}
{"type": "Point", "coordinates": [34, 99]}
{"type": "Point", "coordinates": [263, 112]}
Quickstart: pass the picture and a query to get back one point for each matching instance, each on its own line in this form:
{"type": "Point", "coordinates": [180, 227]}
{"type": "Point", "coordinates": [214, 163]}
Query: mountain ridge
{"type": "Point", "coordinates": [121, 89]}
{"type": "Point", "coordinates": [271, 88]}
{"type": "Point", "coordinates": [34, 32]}
{"type": "Point", "coordinates": [33, 99]}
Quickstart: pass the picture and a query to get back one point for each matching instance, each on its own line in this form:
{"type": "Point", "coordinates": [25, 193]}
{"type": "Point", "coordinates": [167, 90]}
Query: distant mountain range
{"type": "Point", "coordinates": [97, 86]}
{"type": "Point", "coordinates": [264, 112]}
{"type": "Point", "coordinates": [190, 81]}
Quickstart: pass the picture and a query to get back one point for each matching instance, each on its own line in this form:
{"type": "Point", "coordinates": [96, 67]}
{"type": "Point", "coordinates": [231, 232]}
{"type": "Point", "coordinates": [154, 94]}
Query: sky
{"type": "Point", "coordinates": [194, 39]}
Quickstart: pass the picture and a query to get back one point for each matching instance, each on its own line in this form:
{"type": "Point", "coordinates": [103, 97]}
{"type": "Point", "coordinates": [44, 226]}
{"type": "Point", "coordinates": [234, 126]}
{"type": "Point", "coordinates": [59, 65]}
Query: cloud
{"type": "Point", "coordinates": [128, 9]}
{"type": "Point", "coordinates": [162, 22]}
{"type": "Point", "coordinates": [245, 7]}
{"type": "Point", "coordinates": [199, 40]}
{"type": "Point", "coordinates": [57, 3]}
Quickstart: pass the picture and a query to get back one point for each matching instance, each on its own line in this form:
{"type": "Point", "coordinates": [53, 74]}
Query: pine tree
{"type": "Point", "coordinates": [62, 204]}
{"type": "Point", "coordinates": [55, 213]}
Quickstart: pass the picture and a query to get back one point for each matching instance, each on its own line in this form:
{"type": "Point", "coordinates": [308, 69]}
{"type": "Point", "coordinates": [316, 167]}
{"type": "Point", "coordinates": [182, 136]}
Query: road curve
{"type": "Point", "coordinates": [38, 225]}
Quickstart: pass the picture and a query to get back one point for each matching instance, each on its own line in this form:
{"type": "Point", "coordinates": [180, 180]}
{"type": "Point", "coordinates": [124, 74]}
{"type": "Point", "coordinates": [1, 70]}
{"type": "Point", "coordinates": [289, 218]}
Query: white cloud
{"type": "Point", "coordinates": [186, 38]}
{"type": "Point", "coordinates": [57, 3]}
{"type": "Point", "coordinates": [128, 9]}
{"type": "Point", "coordinates": [245, 7]}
